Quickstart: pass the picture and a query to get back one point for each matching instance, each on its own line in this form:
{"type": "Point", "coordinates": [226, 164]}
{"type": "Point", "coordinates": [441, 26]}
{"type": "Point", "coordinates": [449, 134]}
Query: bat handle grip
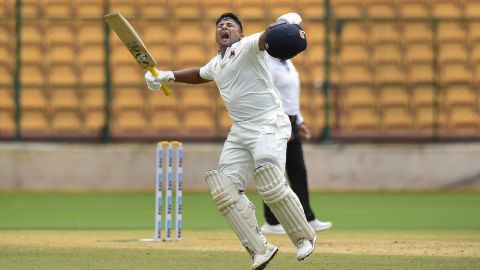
{"type": "Point", "coordinates": [165, 88]}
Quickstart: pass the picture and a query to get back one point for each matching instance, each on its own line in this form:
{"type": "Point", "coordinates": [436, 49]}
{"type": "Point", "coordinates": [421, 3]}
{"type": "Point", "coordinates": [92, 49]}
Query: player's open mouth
{"type": "Point", "coordinates": [225, 36]}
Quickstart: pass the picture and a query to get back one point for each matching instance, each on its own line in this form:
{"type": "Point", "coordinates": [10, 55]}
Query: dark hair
{"type": "Point", "coordinates": [231, 16]}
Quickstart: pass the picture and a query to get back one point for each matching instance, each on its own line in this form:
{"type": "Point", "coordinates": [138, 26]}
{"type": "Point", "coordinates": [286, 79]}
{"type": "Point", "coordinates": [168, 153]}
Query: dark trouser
{"type": "Point", "coordinates": [297, 175]}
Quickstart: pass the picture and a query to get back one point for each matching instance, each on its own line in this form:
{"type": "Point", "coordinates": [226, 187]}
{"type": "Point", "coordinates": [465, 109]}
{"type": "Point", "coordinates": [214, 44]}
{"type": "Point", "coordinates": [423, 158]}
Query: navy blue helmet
{"type": "Point", "coordinates": [284, 40]}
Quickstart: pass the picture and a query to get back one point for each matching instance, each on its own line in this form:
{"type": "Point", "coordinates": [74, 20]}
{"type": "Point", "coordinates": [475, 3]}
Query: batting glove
{"type": "Point", "coordinates": [155, 83]}
{"type": "Point", "coordinates": [291, 18]}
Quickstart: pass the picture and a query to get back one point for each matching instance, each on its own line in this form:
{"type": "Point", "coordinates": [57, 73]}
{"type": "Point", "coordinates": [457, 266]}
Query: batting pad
{"type": "Point", "coordinates": [283, 202]}
{"type": "Point", "coordinates": [238, 210]}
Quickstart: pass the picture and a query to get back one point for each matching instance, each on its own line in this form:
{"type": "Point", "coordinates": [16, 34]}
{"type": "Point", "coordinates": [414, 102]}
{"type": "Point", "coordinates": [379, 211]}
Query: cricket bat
{"type": "Point", "coordinates": [134, 44]}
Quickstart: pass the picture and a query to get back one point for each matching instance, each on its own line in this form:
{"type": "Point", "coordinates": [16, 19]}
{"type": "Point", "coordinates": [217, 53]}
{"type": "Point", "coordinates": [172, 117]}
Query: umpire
{"type": "Point", "coordinates": [286, 79]}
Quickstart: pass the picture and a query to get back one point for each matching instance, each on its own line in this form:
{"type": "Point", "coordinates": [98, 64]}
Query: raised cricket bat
{"type": "Point", "coordinates": [134, 44]}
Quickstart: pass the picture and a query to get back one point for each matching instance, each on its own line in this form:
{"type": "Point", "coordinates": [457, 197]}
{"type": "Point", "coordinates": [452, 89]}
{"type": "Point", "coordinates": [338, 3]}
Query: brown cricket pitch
{"type": "Point", "coordinates": [462, 243]}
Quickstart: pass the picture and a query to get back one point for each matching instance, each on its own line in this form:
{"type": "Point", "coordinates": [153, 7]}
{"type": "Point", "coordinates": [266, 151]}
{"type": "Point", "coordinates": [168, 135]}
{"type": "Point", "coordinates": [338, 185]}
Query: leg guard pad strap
{"type": "Point", "coordinates": [238, 210]}
{"type": "Point", "coordinates": [283, 202]}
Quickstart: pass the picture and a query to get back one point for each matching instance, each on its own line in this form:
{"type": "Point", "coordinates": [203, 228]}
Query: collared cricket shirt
{"type": "Point", "coordinates": [244, 80]}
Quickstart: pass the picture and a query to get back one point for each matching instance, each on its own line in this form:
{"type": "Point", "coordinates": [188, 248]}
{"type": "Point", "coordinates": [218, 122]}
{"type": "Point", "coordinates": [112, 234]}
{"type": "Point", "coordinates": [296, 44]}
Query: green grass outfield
{"type": "Point", "coordinates": [371, 231]}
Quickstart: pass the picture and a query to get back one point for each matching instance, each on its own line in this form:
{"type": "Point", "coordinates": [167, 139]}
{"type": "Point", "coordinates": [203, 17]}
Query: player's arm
{"type": "Point", "coordinates": [189, 75]}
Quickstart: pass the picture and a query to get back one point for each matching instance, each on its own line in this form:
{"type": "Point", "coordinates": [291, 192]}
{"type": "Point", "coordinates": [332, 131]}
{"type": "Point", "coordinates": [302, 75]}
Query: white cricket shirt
{"type": "Point", "coordinates": [285, 78]}
{"type": "Point", "coordinates": [244, 80]}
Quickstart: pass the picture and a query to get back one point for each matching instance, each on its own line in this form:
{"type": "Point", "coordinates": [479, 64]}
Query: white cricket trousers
{"type": "Point", "coordinates": [251, 144]}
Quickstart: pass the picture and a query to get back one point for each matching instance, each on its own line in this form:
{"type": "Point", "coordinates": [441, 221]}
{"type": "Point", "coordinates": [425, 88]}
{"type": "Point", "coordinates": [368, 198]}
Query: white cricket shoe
{"type": "Point", "coordinates": [319, 226]}
{"type": "Point", "coordinates": [273, 229]}
{"type": "Point", "coordinates": [305, 247]}
{"type": "Point", "coordinates": [260, 261]}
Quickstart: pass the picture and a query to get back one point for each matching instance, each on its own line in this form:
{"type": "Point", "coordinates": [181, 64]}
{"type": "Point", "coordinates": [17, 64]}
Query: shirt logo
{"type": "Point", "coordinates": [232, 55]}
